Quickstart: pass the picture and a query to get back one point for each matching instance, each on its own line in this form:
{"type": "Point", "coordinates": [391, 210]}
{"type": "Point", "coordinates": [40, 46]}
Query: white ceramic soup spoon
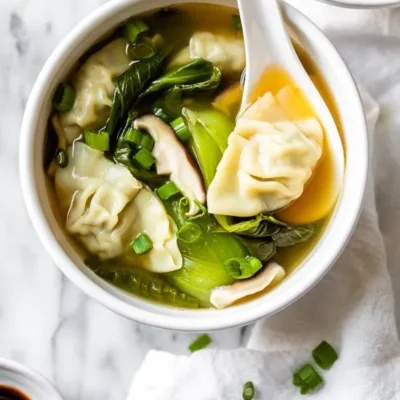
{"type": "Point", "coordinates": [267, 43]}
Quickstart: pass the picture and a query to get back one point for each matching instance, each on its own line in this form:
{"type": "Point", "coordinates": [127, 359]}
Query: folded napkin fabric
{"type": "Point", "coordinates": [353, 306]}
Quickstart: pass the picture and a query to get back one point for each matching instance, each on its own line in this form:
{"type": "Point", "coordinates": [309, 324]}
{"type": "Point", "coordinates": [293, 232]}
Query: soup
{"type": "Point", "coordinates": [171, 192]}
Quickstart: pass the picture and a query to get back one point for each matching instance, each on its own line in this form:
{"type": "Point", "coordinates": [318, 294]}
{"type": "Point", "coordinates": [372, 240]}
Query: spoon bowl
{"type": "Point", "coordinates": [268, 44]}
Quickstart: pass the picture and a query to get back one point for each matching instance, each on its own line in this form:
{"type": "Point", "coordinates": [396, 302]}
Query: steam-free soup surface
{"type": "Point", "coordinates": [166, 190]}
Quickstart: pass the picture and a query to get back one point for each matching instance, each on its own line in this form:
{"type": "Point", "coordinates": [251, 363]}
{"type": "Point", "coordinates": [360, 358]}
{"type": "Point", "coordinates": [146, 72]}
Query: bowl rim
{"type": "Point", "coordinates": [27, 374]}
{"type": "Point", "coordinates": [184, 321]}
{"type": "Point", "coordinates": [360, 4]}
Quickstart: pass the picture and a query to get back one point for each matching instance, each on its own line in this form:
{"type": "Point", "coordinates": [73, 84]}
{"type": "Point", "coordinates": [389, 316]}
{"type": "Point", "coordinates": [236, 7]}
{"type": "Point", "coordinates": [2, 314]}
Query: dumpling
{"type": "Point", "coordinates": [94, 85]}
{"type": "Point", "coordinates": [106, 207]}
{"type": "Point", "coordinates": [268, 161]}
{"type": "Point", "coordinates": [225, 53]}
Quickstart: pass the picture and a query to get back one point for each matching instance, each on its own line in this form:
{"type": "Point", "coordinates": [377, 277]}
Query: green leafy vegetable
{"type": "Point", "coordinates": [189, 232]}
{"type": "Point", "coordinates": [133, 29]}
{"type": "Point", "coordinates": [171, 102]}
{"type": "Point", "coordinates": [200, 343]}
{"type": "Point", "coordinates": [248, 391]}
{"type": "Point", "coordinates": [180, 128]}
{"type": "Point", "coordinates": [61, 158]}
{"type": "Point", "coordinates": [168, 190]}
{"type": "Point", "coordinates": [236, 23]}
{"type": "Point", "coordinates": [242, 267]}
{"type": "Point", "coordinates": [128, 87]}
{"type": "Point", "coordinates": [144, 158]}
{"type": "Point", "coordinates": [142, 244]}
{"type": "Point", "coordinates": [307, 379]}
{"type": "Point", "coordinates": [97, 140]}
{"type": "Point", "coordinates": [209, 129]}
{"type": "Point", "coordinates": [203, 260]}
{"type": "Point", "coordinates": [141, 282]}
{"type": "Point", "coordinates": [325, 355]}
{"type": "Point", "coordinates": [289, 236]}
{"type": "Point", "coordinates": [263, 249]}
{"type": "Point", "coordinates": [196, 76]}
{"type": "Point", "coordinates": [64, 97]}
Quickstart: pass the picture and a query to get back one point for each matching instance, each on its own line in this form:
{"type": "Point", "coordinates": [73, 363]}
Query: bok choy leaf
{"type": "Point", "coordinates": [196, 76]}
{"type": "Point", "coordinates": [128, 88]}
{"type": "Point", "coordinates": [141, 282]}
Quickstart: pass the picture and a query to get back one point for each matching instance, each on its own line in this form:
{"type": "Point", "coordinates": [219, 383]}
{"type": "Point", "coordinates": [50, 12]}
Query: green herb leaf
{"type": "Point", "coordinates": [289, 236]}
{"type": "Point", "coordinates": [325, 355]}
{"type": "Point", "coordinates": [189, 233]}
{"type": "Point", "coordinates": [200, 343]}
{"type": "Point", "coordinates": [168, 190]}
{"type": "Point", "coordinates": [263, 249]}
{"type": "Point", "coordinates": [142, 244]}
{"type": "Point", "coordinates": [241, 267]}
{"type": "Point", "coordinates": [307, 379]}
{"type": "Point", "coordinates": [248, 391]}
{"type": "Point", "coordinates": [64, 97]}
{"type": "Point", "coordinates": [133, 29]}
{"type": "Point", "coordinates": [97, 140]}
{"type": "Point", "coordinates": [141, 282]}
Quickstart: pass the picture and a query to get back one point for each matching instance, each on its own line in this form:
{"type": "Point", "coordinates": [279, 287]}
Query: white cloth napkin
{"type": "Point", "coordinates": [352, 307]}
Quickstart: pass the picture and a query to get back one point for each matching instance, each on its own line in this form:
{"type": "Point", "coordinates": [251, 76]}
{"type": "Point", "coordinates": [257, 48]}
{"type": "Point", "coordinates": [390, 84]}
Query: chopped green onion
{"type": "Point", "coordinates": [180, 128]}
{"type": "Point", "coordinates": [64, 97]}
{"type": "Point", "coordinates": [324, 355]}
{"type": "Point", "coordinates": [141, 50]}
{"type": "Point", "coordinates": [138, 138]}
{"type": "Point", "coordinates": [61, 158]}
{"type": "Point", "coordinates": [97, 140]}
{"type": "Point", "coordinates": [166, 191]}
{"type": "Point", "coordinates": [236, 23]}
{"type": "Point", "coordinates": [184, 206]}
{"type": "Point", "coordinates": [200, 343]}
{"type": "Point", "coordinates": [144, 158]}
{"type": "Point", "coordinates": [248, 391]}
{"type": "Point", "coordinates": [189, 233]}
{"type": "Point", "coordinates": [142, 244]}
{"type": "Point", "coordinates": [242, 268]}
{"type": "Point", "coordinates": [160, 113]}
{"type": "Point", "coordinates": [133, 29]}
{"type": "Point", "coordinates": [307, 379]}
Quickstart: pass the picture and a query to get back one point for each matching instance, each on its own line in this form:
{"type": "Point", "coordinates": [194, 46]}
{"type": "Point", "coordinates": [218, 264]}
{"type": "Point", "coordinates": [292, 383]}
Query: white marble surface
{"type": "Point", "coordinates": [46, 322]}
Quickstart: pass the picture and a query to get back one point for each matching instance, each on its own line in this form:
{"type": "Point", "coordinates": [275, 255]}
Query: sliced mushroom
{"type": "Point", "coordinates": [174, 160]}
{"type": "Point", "coordinates": [224, 296]}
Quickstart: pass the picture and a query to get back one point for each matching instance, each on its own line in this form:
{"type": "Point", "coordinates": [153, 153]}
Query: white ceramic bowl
{"type": "Point", "coordinates": [27, 381]}
{"type": "Point", "coordinates": [310, 271]}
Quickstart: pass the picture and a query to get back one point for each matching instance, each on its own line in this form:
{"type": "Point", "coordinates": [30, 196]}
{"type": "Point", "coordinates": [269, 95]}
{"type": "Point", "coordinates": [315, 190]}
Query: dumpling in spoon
{"type": "Point", "coordinates": [269, 160]}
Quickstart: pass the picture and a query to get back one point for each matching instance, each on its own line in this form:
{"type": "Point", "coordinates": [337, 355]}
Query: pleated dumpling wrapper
{"type": "Point", "coordinates": [269, 160]}
{"type": "Point", "coordinates": [106, 208]}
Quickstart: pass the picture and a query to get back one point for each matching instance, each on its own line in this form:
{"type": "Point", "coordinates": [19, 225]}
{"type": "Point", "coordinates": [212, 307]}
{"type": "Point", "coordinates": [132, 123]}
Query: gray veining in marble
{"type": "Point", "coordinates": [46, 322]}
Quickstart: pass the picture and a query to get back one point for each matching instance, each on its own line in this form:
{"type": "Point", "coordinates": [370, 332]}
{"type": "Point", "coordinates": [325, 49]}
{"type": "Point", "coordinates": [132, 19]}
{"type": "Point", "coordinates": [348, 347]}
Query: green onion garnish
{"type": "Point", "coordinates": [324, 355]}
{"type": "Point", "coordinates": [64, 97]}
{"type": "Point", "coordinates": [189, 233]}
{"type": "Point", "coordinates": [307, 379]}
{"type": "Point", "coordinates": [160, 113]}
{"type": "Point", "coordinates": [142, 244]}
{"type": "Point", "coordinates": [133, 29]}
{"type": "Point", "coordinates": [166, 191]}
{"type": "Point", "coordinates": [248, 391]}
{"type": "Point", "coordinates": [236, 23]}
{"type": "Point", "coordinates": [61, 158]}
{"type": "Point", "coordinates": [97, 140]}
{"type": "Point", "coordinates": [144, 158]}
{"type": "Point", "coordinates": [180, 128]}
{"type": "Point", "coordinates": [200, 343]}
{"type": "Point", "coordinates": [140, 139]}
{"type": "Point", "coordinates": [141, 50]}
{"type": "Point", "coordinates": [241, 267]}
